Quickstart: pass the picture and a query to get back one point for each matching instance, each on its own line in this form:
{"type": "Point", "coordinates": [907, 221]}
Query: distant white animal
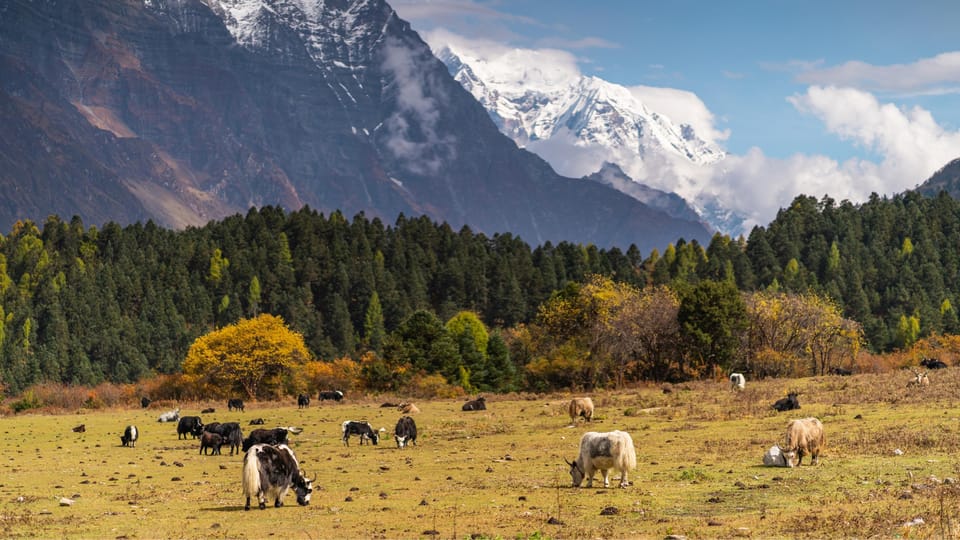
{"type": "Point", "coordinates": [603, 451]}
{"type": "Point", "coordinates": [737, 381]}
{"type": "Point", "coordinates": [169, 416]}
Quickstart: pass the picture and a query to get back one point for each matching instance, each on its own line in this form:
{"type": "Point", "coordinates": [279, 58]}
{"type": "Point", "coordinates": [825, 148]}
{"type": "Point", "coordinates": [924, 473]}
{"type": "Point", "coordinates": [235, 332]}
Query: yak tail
{"type": "Point", "coordinates": [251, 473]}
{"type": "Point", "coordinates": [627, 459]}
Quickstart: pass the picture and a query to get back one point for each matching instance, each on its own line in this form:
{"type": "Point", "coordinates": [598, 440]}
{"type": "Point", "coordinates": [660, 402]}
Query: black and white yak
{"type": "Point", "coordinates": [269, 471]}
{"type": "Point", "coordinates": [602, 452]}
{"type": "Point", "coordinates": [405, 432]}
{"type": "Point", "coordinates": [479, 404]}
{"type": "Point", "coordinates": [189, 425]}
{"type": "Point", "coordinates": [335, 395]}
{"type": "Point", "coordinates": [363, 429]}
{"type": "Point", "coordinates": [130, 436]}
{"type": "Point", "coordinates": [737, 381]}
{"type": "Point", "coordinates": [169, 416]}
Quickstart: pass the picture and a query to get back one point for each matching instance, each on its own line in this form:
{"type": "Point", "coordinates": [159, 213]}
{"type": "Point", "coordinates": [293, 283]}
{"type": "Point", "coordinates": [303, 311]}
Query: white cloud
{"type": "Point", "coordinates": [936, 75]}
{"type": "Point", "coordinates": [683, 107]}
{"type": "Point", "coordinates": [418, 145]}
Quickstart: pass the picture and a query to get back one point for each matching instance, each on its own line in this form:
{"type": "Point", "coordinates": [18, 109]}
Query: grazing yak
{"type": "Point", "coordinates": [189, 425]}
{"type": "Point", "coordinates": [479, 404]}
{"type": "Point", "coordinates": [363, 429]}
{"type": "Point", "coordinates": [933, 363]}
{"type": "Point", "coordinates": [269, 471]}
{"type": "Point", "coordinates": [230, 433]}
{"type": "Point", "coordinates": [268, 436]}
{"type": "Point", "coordinates": [335, 395]}
{"type": "Point", "coordinates": [602, 452]}
{"type": "Point", "coordinates": [169, 416]}
{"type": "Point", "coordinates": [804, 436]}
{"type": "Point", "coordinates": [408, 408]}
{"type": "Point", "coordinates": [129, 437]}
{"type": "Point", "coordinates": [581, 406]}
{"type": "Point", "coordinates": [737, 381]}
{"type": "Point", "coordinates": [212, 441]}
{"type": "Point", "coordinates": [303, 401]}
{"type": "Point", "coordinates": [919, 379]}
{"type": "Point", "coordinates": [405, 432]}
{"type": "Point", "coordinates": [788, 403]}
{"type": "Point", "coordinates": [235, 403]}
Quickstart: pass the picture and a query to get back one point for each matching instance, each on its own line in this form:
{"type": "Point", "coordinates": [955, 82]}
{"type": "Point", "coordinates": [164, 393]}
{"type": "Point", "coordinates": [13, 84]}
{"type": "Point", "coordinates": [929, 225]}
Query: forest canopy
{"type": "Point", "coordinates": [82, 305]}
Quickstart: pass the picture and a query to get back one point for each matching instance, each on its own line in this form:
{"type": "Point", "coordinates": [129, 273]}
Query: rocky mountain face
{"type": "Point", "coordinates": [670, 203]}
{"type": "Point", "coordinates": [183, 111]}
{"type": "Point", "coordinates": [946, 179]}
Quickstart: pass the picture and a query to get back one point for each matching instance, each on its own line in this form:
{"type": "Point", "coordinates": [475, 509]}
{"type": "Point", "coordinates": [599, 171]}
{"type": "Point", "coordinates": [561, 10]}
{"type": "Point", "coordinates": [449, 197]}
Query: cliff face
{"type": "Point", "coordinates": [183, 111]}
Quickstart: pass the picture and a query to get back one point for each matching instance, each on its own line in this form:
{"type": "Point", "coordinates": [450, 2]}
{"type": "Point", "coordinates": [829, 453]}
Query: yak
{"type": "Point", "coordinates": [737, 381]}
{"type": "Point", "coordinates": [804, 436]}
{"type": "Point", "coordinates": [581, 406]}
{"type": "Point", "coordinates": [479, 404]}
{"type": "Point", "coordinates": [602, 452]}
{"type": "Point", "coordinates": [405, 432]}
{"type": "Point", "coordinates": [788, 403]}
{"type": "Point", "coordinates": [129, 437]}
{"type": "Point", "coordinates": [269, 471]}
{"type": "Point", "coordinates": [363, 429]}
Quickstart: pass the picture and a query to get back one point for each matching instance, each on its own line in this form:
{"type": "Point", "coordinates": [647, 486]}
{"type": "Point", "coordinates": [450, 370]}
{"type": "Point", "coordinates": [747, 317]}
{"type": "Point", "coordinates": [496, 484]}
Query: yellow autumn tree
{"type": "Point", "coordinates": [251, 355]}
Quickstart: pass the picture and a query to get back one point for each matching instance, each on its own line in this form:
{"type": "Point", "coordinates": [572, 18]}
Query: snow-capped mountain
{"type": "Point", "coordinates": [183, 111]}
{"type": "Point", "coordinates": [530, 104]}
{"type": "Point", "coordinates": [578, 123]}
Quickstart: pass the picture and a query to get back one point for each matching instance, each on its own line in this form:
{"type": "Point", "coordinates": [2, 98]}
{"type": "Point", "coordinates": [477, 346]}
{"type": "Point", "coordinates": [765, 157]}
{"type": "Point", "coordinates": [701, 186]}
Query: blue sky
{"type": "Point", "coordinates": [860, 95]}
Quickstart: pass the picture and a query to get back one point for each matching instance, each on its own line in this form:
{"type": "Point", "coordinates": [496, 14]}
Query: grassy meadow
{"type": "Point", "coordinates": [500, 472]}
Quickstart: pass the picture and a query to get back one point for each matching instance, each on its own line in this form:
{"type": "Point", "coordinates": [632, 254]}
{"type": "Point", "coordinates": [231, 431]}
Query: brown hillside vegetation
{"type": "Point", "coordinates": [889, 468]}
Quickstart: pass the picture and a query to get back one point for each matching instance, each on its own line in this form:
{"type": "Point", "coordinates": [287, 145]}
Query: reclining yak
{"type": "Point", "coordinates": [603, 451]}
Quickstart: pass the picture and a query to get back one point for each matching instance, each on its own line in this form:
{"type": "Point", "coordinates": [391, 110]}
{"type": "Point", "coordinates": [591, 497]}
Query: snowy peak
{"type": "Point", "coordinates": [539, 103]}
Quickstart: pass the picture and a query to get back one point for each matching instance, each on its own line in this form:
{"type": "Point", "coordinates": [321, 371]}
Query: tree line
{"type": "Point", "coordinates": [81, 305]}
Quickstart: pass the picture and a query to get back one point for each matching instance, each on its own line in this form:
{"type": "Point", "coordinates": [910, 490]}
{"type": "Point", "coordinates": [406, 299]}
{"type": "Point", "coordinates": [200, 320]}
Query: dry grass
{"type": "Point", "coordinates": [500, 472]}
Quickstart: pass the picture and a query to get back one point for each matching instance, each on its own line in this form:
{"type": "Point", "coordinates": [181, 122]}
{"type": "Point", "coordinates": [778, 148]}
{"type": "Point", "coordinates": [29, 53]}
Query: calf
{"type": "Point", "coordinates": [265, 436]}
{"type": "Point", "coordinates": [479, 404]}
{"type": "Point", "coordinates": [229, 432]}
{"type": "Point", "coordinates": [363, 429]}
{"type": "Point", "coordinates": [211, 441]}
{"type": "Point", "coordinates": [788, 403]}
{"type": "Point", "coordinates": [405, 432]}
{"type": "Point", "coordinates": [235, 403]}
{"type": "Point", "coordinates": [189, 425]}
{"type": "Point", "coordinates": [129, 437]}
{"type": "Point", "coordinates": [303, 400]}
{"type": "Point", "coordinates": [335, 395]}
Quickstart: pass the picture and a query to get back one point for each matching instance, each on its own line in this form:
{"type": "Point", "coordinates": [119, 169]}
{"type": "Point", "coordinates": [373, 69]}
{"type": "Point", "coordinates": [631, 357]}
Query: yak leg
{"type": "Point", "coordinates": [247, 506]}
{"type": "Point", "coordinates": [623, 479]}
{"type": "Point", "coordinates": [606, 477]}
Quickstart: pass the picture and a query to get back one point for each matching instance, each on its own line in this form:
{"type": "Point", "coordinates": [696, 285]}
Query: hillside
{"type": "Point", "coordinates": [185, 112]}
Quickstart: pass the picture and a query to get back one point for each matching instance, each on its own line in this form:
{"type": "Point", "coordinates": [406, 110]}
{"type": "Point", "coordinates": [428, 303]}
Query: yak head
{"type": "Point", "coordinates": [303, 487]}
{"type": "Point", "coordinates": [576, 472]}
{"type": "Point", "coordinates": [789, 456]}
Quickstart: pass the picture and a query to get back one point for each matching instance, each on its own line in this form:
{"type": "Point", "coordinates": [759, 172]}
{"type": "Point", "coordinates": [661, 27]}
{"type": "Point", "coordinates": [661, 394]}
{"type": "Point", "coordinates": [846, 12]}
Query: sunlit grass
{"type": "Point", "coordinates": [890, 459]}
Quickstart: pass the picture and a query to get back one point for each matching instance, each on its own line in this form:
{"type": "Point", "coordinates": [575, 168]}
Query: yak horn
{"type": "Point", "coordinates": [568, 463]}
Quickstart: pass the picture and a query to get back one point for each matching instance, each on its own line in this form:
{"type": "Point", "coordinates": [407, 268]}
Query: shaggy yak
{"type": "Point", "coordinates": [804, 436]}
{"type": "Point", "coordinates": [603, 451]}
{"type": "Point", "coordinates": [581, 406]}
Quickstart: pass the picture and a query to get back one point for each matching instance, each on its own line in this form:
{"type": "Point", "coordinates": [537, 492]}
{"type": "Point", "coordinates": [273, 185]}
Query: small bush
{"type": "Point", "coordinates": [28, 400]}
